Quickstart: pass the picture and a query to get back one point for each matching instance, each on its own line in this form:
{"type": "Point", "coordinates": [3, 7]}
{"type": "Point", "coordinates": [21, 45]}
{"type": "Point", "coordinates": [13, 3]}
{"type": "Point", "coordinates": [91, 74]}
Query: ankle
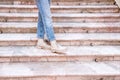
{"type": "Point", "coordinates": [41, 40]}
{"type": "Point", "coordinates": [53, 43]}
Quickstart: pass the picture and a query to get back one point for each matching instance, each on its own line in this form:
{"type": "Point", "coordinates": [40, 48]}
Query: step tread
{"type": "Point", "coordinates": [61, 9]}
{"type": "Point", "coordinates": [33, 69]}
{"type": "Point", "coordinates": [61, 27]}
{"type": "Point", "coordinates": [61, 36]}
{"type": "Point", "coordinates": [32, 51]}
{"type": "Point", "coordinates": [61, 15]}
{"type": "Point", "coordinates": [59, 6]}
{"type": "Point", "coordinates": [60, 24]}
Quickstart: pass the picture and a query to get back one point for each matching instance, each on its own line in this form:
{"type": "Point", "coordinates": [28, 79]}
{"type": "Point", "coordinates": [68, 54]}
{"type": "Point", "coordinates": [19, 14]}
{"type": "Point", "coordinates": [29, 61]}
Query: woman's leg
{"type": "Point", "coordinates": [40, 26]}
{"type": "Point", "coordinates": [41, 32]}
{"type": "Point", "coordinates": [45, 24]}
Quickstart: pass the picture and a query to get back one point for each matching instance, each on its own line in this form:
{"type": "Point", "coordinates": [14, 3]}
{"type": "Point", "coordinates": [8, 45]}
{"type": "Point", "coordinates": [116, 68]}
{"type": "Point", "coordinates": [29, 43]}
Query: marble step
{"type": "Point", "coordinates": [72, 39]}
{"type": "Point", "coordinates": [73, 53]}
{"type": "Point", "coordinates": [60, 71]}
{"type": "Point", "coordinates": [61, 9]}
{"type": "Point", "coordinates": [16, 27]}
{"type": "Point", "coordinates": [57, 17]}
{"type": "Point", "coordinates": [61, 2]}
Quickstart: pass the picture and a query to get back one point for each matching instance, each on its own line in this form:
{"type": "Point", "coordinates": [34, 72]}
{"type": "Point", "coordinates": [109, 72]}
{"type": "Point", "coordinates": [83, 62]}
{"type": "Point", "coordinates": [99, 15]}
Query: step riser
{"type": "Point", "coordinates": [68, 2]}
{"type": "Point", "coordinates": [84, 3]}
{"type": "Point", "coordinates": [62, 42]}
{"type": "Point", "coordinates": [63, 30]}
{"type": "Point", "coordinates": [67, 77]}
{"type": "Point", "coordinates": [62, 19]}
{"type": "Point", "coordinates": [58, 0]}
{"type": "Point", "coordinates": [96, 58]}
{"type": "Point", "coordinates": [63, 10]}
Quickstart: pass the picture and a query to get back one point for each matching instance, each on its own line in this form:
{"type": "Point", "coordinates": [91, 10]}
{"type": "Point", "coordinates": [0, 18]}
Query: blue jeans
{"type": "Point", "coordinates": [45, 24]}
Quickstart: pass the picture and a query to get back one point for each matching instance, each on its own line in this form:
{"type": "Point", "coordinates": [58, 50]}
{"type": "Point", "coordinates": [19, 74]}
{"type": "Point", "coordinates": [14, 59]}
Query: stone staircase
{"type": "Point", "coordinates": [89, 28]}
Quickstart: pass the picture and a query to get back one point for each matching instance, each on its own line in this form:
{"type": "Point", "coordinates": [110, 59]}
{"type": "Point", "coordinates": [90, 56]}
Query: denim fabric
{"type": "Point", "coordinates": [45, 25]}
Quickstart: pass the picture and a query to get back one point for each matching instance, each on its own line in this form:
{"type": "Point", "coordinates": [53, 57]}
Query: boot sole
{"type": "Point", "coordinates": [59, 52]}
{"type": "Point", "coordinates": [41, 47]}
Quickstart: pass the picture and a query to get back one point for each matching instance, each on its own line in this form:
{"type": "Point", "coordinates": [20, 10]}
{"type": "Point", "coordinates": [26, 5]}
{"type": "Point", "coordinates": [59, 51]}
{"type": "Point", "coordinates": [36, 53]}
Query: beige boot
{"type": "Point", "coordinates": [56, 48]}
{"type": "Point", "coordinates": [42, 44]}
